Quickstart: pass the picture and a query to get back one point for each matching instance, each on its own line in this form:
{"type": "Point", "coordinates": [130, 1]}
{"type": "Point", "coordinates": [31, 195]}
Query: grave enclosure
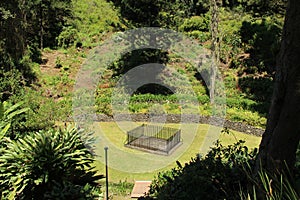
{"type": "Point", "coordinates": [154, 139]}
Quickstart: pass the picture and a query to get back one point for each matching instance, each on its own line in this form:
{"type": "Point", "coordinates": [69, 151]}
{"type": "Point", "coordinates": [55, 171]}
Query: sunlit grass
{"type": "Point", "coordinates": [116, 138]}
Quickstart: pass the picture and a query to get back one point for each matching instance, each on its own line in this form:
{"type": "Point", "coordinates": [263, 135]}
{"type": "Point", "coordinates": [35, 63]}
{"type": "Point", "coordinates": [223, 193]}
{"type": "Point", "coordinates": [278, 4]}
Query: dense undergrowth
{"type": "Point", "coordinates": [248, 46]}
{"type": "Point", "coordinates": [226, 172]}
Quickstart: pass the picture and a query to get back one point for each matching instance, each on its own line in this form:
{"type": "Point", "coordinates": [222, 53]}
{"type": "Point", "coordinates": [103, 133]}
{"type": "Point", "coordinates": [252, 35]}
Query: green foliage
{"type": "Point", "coordinates": [122, 188]}
{"type": "Point", "coordinates": [231, 43]}
{"type": "Point", "coordinates": [136, 58]}
{"type": "Point", "coordinates": [162, 13]}
{"type": "Point", "coordinates": [58, 63]}
{"type": "Point", "coordinates": [25, 28]}
{"type": "Point", "coordinates": [277, 187]}
{"type": "Point", "coordinates": [38, 164]}
{"type": "Point", "coordinates": [248, 117]}
{"type": "Point", "coordinates": [67, 37]}
{"type": "Point", "coordinates": [262, 39]}
{"type": "Point", "coordinates": [247, 104]}
{"type": "Point", "coordinates": [43, 112]}
{"type": "Point", "coordinates": [218, 175]}
{"type": "Point", "coordinates": [224, 173]}
{"type": "Point", "coordinates": [197, 27]}
{"type": "Point", "coordinates": [68, 190]}
{"type": "Point", "coordinates": [173, 13]}
{"type": "Point", "coordinates": [31, 23]}
{"type": "Point", "coordinates": [15, 74]}
{"type": "Point", "coordinates": [257, 88]}
{"type": "Point", "coordinates": [8, 113]}
{"type": "Point", "coordinates": [10, 83]}
{"type": "Point", "coordinates": [269, 7]}
{"type": "Point", "coordinates": [92, 20]}
{"type": "Point", "coordinates": [270, 186]}
{"type": "Point", "coordinates": [257, 7]}
{"type": "Point", "coordinates": [239, 106]}
{"type": "Point", "coordinates": [200, 23]}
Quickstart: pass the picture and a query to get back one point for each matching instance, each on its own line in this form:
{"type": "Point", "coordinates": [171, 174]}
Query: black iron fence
{"type": "Point", "coordinates": [154, 138]}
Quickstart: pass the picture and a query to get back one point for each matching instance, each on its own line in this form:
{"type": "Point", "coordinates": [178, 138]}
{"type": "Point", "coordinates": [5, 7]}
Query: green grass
{"type": "Point", "coordinates": [124, 167]}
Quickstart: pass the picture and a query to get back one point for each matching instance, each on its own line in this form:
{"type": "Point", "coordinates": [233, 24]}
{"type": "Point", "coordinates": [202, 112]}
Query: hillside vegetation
{"type": "Point", "coordinates": [249, 40]}
{"type": "Point", "coordinates": [44, 43]}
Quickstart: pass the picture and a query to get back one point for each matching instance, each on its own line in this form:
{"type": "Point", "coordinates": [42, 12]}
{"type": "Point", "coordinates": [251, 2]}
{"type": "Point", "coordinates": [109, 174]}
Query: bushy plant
{"type": "Point", "coordinates": [199, 23]}
{"type": "Point", "coordinates": [216, 176]}
{"type": "Point", "coordinates": [224, 173]}
{"type": "Point", "coordinates": [241, 115]}
{"type": "Point", "coordinates": [44, 161]}
{"type": "Point", "coordinates": [92, 19]}
{"type": "Point", "coordinates": [43, 111]}
{"type": "Point", "coordinates": [230, 39]}
{"type": "Point", "coordinates": [68, 190]}
{"type": "Point", "coordinates": [67, 37]}
{"type": "Point", "coordinates": [197, 27]}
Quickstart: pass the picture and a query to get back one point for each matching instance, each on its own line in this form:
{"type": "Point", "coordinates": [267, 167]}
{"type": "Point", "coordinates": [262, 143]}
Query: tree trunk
{"type": "Point", "coordinates": [41, 27]}
{"type": "Point", "coordinates": [281, 137]}
{"type": "Point", "coordinates": [214, 48]}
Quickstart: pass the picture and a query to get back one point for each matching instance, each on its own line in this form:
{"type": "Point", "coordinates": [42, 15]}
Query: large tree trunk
{"type": "Point", "coordinates": [281, 138]}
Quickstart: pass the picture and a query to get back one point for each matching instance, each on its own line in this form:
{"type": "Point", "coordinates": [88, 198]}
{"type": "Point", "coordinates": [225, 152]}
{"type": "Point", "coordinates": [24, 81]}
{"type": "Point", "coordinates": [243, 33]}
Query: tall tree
{"type": "Point", "coordinates": [12, 29]}
{"type": "Point", "coordinates": [214, 47]}
{"type": "Point", "coordinates": [25, 28]}
{"type": "Point", "coordinates": [25, 23]}
{"type": "Point", "coordinates": [282, 134]}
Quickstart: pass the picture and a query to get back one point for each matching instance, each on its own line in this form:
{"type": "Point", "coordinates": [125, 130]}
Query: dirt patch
{"type": "Point", "coordinates": [49, 62]}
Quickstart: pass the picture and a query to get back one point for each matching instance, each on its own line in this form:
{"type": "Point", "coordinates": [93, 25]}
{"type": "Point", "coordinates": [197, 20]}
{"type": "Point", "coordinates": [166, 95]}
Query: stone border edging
{"type": "Point", "coordinates": [179, 118]}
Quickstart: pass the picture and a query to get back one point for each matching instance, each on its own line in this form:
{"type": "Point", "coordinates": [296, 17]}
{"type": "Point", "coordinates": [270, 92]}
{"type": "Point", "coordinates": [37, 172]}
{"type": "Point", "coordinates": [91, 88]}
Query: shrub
{"type": "Point", "coordinates": [68, 190]}
{"type": "Point", "coordinates": [281, 184]}
{"type": "Point", "coordinates": [43, 112]}
{"type": "Point", "coordinates": [251, 118]}
{"type": "Point", "coordinates": [216, 176]}
{"type": "Point", "coordinates": [199, 23]}
{"type": "Point", "coordinates": [230, 45]}
{"type": "Point", "coordinates": [197, 27]}
{"type": "Point", "coordinates": [41, 162]}
{"type": "Point", "coordinates": [67, 37]}
{"type": "Point", "coordinates": [224, 173]}
{"type": "Point", "coordinates": [92, 19]}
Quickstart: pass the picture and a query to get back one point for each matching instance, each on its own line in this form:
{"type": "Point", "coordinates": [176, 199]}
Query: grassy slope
{"type": "Point", "coordinates": [95, 21]}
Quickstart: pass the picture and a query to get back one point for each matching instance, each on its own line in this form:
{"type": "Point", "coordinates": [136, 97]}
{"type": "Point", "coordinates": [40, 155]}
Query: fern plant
{"type": "Point", "coordinates": [40, 162]}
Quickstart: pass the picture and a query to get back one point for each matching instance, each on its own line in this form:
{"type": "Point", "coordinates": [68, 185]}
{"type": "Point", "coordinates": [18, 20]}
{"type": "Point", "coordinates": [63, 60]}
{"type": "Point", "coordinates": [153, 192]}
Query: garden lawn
{"type": "Point", "coordinates": [129, 164]}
